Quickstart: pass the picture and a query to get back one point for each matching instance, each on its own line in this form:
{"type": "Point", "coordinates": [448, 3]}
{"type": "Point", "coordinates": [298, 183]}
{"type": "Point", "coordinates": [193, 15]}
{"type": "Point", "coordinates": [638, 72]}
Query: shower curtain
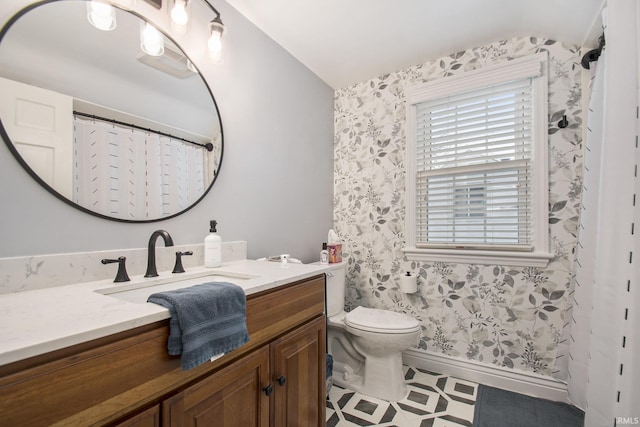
{"type": "Point", "coordinates": [133, 174]}
{"type": "Point", "coordinates": [604, 352]}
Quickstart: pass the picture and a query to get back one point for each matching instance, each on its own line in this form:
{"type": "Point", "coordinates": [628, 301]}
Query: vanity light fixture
{"type": "Point", "coordinates": [180, 15]}
{"type": "Point", "coordinates": [151, 40]}
{"type": "Point", "coordinates": [101, 15]}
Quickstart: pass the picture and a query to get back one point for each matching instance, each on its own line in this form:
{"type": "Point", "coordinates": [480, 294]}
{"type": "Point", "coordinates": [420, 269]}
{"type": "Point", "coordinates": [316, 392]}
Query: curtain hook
{"type": "Point", "coordinates": [564, 122]}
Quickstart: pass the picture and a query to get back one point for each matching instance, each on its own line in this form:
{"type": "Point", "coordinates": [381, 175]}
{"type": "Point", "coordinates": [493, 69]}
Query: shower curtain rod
{"type": "Point", "coordinates": [593, 54]}
{"type": "Point", "coordinates": [208, 146]}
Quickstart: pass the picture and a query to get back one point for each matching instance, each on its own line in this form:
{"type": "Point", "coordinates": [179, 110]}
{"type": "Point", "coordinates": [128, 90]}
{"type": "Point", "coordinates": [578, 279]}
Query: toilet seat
{"type": "Point", "coordinates": [381, 321]}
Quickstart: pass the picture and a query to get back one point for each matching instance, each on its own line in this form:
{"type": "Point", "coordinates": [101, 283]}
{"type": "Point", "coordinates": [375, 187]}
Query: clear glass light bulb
{"type": "Point", "coordinates": [216, 29]}
{"type": "Point", "coordinates": [101, 15]}
{"type": "Point", "coordinates": [179, 14]}
{"type": "Point", "coordinates": [151, 40]}
{"type": "Point", "coordinates": [215, 42]}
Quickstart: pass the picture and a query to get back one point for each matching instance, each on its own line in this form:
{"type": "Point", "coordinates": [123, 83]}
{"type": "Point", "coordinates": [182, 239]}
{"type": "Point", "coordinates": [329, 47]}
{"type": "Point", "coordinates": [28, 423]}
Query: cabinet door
{"type": "Point", "coordinates": [299, 376]}
{"type": "Point", "coordinates": [232, 397]}
{"type": "Point", "coordinates": [148, 418]}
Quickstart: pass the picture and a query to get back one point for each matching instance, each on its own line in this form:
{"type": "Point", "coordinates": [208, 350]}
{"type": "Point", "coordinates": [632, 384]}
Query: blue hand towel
{"type": "Point", "coordinates": [206, 320]}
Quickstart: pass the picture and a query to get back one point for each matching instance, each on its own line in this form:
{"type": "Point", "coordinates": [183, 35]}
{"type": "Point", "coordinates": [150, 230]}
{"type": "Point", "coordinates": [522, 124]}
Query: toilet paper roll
{"type": "Point", "coordinates": [408, 284]}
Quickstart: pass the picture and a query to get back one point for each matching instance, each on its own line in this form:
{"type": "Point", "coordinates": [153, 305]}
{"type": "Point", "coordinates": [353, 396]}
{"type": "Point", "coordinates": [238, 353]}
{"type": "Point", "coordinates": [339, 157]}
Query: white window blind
{"type": "Point", "coordinates": [474, 182]}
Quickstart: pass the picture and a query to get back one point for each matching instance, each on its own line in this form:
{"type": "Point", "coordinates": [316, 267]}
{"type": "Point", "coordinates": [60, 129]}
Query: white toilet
{"type": "Point", "coordinates": [367, 343]}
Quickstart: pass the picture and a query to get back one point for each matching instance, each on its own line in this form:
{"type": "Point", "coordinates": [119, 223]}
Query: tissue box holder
{"type": "Point", "coordinates": [335, 253]}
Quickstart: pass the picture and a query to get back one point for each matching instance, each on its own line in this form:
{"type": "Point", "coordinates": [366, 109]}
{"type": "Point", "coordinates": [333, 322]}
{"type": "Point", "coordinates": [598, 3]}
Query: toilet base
{"type": "Point", "coordinates": [383, 378]}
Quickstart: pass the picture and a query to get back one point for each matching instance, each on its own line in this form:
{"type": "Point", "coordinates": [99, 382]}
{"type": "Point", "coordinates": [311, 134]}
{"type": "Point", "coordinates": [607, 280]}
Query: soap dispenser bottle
{"type": "Point", "coordinates": [212, 247]}
{"type": "Point", "coordinates": [324, 254]}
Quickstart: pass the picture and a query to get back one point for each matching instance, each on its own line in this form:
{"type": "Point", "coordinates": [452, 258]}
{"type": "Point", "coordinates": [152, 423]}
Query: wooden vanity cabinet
{"type": "Point", "coordinates": [276, 385]}
{"type": "Point", "coordinates": [128, 379]}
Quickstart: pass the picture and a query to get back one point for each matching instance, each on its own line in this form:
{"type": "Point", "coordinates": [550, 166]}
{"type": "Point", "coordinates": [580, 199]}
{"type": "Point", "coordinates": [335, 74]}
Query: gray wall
{"type": "Point", "coordinates": [275, 185]}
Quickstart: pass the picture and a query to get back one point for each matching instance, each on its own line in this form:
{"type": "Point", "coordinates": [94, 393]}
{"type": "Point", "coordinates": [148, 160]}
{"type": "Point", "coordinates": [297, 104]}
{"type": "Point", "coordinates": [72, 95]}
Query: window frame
{"type": "Point", "coordinates": [535, 66]}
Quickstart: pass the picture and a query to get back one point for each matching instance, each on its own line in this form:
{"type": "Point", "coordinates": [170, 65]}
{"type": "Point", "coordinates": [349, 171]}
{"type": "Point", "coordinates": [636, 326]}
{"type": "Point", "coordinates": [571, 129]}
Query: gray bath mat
{"type": "Point", "coordinates": [500, 408]}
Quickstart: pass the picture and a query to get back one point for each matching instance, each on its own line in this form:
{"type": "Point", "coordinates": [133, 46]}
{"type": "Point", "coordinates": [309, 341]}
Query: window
{"type": "Point", "coordinates": [476, 166]}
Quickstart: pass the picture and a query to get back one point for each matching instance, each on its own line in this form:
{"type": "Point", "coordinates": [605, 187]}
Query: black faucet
{"type": "Point", "coordinates": [152, 271]}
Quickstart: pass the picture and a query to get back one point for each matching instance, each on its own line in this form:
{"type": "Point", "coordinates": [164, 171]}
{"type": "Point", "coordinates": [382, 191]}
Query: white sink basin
{"type": "Point", "coordinates": [138, 291]}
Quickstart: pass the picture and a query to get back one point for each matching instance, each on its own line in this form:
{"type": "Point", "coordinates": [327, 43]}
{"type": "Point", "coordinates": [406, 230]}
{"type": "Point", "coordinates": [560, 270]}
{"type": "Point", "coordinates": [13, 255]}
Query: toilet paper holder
{"type": "Point", "coordinates": [408, 283]}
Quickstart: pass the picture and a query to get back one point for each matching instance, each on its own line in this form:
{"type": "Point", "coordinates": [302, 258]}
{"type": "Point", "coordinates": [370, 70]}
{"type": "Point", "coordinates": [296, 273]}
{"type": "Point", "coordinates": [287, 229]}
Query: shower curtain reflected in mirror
{"type": "Point", "coordinates": [130, 173]}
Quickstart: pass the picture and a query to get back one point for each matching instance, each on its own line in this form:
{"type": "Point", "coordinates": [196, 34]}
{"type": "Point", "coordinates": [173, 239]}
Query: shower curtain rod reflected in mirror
{"type": "Point", "coordinates": [208, 146]}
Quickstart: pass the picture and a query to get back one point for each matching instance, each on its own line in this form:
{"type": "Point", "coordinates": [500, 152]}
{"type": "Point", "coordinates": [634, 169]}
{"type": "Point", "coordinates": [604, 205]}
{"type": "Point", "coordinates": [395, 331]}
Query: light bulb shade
{"type": "Point", "coordinates": [101, 15]}
{"type": "Point", "coordinates": [151, 40]}
{"type": "Point", "coordinates": [216, 28]}
{"type": "Point", "coordinates": [180, 12]}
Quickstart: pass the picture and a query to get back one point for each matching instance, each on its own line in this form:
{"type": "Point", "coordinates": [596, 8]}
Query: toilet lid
{"type": "Point", "coordinates": [375, 319]}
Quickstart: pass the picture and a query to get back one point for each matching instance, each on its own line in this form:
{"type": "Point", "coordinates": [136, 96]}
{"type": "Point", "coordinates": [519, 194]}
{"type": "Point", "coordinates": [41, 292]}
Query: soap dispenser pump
{"type": "Point", "coordinates": [212, 247]}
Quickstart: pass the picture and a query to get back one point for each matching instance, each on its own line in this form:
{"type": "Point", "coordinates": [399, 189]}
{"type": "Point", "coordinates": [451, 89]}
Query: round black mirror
{"type": "Point", "coordinates": [101, 123]}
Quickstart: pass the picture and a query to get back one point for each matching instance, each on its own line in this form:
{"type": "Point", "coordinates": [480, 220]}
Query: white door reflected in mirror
{"type": "Point", "coordinates": [40, 123]}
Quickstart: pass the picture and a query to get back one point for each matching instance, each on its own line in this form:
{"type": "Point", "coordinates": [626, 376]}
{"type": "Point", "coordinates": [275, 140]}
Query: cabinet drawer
{"type": "Point", "coordinates": [272, 313]}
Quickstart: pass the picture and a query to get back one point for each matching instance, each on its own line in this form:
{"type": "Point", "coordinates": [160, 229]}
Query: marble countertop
{"type": "Point", "coordinates": [39, 321]}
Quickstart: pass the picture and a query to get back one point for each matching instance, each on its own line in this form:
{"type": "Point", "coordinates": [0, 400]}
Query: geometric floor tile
{"type": "Point", "coordinates": [433, 400]}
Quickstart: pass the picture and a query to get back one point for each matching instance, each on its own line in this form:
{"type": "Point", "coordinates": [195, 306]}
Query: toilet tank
{"type": "Point", "coordinates": [336, 288]}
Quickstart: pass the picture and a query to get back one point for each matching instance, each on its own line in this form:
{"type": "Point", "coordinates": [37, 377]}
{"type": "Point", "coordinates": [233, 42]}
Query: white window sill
{"type": "Point", "coordinates": [514, 259]}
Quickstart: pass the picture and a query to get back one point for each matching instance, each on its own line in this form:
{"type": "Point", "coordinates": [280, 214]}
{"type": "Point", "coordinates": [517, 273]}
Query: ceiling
{"type": "Point", "coordinates": [350, 41]}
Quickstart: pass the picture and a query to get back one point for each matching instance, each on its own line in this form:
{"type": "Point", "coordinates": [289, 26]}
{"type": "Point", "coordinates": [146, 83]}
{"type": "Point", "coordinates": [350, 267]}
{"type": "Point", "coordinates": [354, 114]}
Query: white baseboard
{"type": "Point", "coordinates": [495, 376]}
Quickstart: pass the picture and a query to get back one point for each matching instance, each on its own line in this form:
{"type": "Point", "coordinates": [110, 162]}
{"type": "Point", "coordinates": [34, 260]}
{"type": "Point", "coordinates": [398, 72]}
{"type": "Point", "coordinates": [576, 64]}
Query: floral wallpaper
{"type": "Point", "coordinates": [499, 315]}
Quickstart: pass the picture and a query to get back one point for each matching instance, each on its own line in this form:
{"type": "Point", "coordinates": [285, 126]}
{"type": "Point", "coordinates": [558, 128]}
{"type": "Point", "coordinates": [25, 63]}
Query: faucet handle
{"type": "Point", "coordinates": [178, 268]}
{"type": "Point", "coordinates": [121, 275]}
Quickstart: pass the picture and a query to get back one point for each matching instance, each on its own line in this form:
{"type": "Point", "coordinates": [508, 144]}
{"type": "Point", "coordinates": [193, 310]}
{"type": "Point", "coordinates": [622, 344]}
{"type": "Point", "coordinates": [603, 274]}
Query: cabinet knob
{"type": "Point", "coordinates": [282, 380]}
{"type": "Point", "coordinates": [268, 390]}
